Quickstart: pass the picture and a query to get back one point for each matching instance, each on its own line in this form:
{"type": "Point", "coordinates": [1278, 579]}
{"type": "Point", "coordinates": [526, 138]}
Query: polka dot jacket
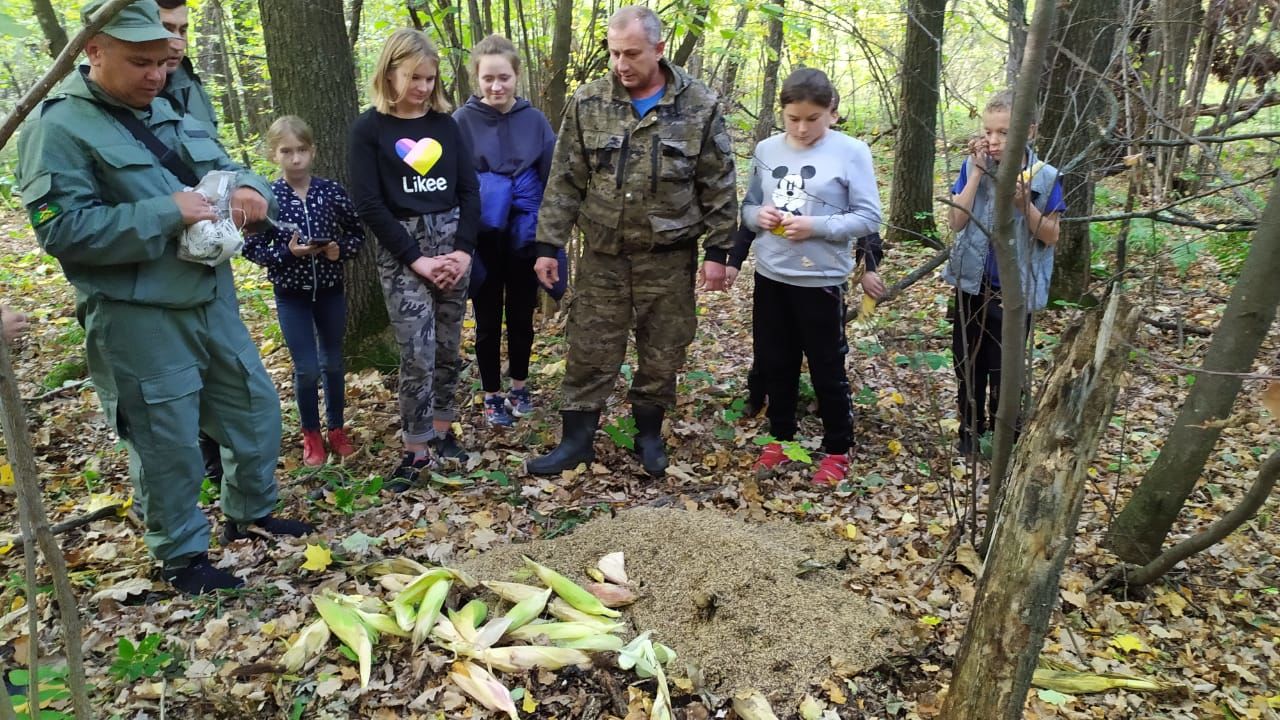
{"type": "Point", "coordinates": [326, 213]}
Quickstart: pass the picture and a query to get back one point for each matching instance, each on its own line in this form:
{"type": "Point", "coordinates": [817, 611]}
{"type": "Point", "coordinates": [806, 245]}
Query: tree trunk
{"type": "Point", "coordinates": [314, 77]}
{"type": "Point", "coordinates": [1138, 532]}
{"type": "Point", "coordinates": [353, 29]}
{"type": "Point", "coordinates": [1013, 331]}
{"type": "Point", "coordinates": [1077, 100]}
{"type": "Point", "coordinates": [220, 67]}
{"type": "Point", "coordinates": [1036, 523]}
{"type": "Point", "coordinates": [729, 85]}
{"type": "Point", "coordinates": [256, 92]}
{"type": "Point", "coordinates": [693, 35]}
{"type": "Point", "coordinates": [1176, 23]}
{"type": "Point", "coordinates": [769, 90]}
{"type": "Point", "coordinates": [911, 199]}
{"type": "Point", "coordinates": [557, 89]}
{"type": "Point", "coordinates": [51, 26]}
{"type": "Point", "coordinates": [1017, 40]}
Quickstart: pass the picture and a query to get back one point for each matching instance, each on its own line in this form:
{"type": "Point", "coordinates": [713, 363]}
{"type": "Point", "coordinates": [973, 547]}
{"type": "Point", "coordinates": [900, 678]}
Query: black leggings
{"type": "Point", "coordinates": [510, 291]}
{"type": "Point", "coordinates": [790, 323]}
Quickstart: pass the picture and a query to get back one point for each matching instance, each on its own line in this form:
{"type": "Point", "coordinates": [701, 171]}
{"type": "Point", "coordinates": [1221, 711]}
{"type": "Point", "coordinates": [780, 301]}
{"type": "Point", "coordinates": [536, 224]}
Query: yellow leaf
{"type": "Point", "coordinates": [897, 398]}
{"type": "Point", "coordinates": [931, 620]}
{"type": "Point", "coordinates": [528, 704]}
{"type": "Point", "coordinates": [270, 346]}
{"type": "Point", "coordinates": [552, 369]}
{"type": "Point", "coordinates": [6, 475]}
{"type": "Point", "coordinates": [895, 447]}
{"type": "Point", "coordinates": [1270, 399]}
{"type": "Point", "coordinates": [851, 531]}
{"type": "Point", "coordinates": [318, 558]}
{"type": "Point", "coordinates": [1128, 643]}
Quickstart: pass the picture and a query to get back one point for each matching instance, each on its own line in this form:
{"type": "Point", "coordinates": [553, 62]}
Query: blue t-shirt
{"type": "Point", "coordinates": [645, 104]}
{"type": "Point", "coordinates": [1055, 205]}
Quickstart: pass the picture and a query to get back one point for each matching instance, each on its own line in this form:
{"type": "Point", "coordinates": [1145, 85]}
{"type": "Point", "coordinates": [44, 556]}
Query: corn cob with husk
{"type": "Point", "coordinates": [592, 643]}
{"type": "Point", "coordinates": [485, 688]}
{"type": "Point", "coordinates": [399, 565]}
{"type": "Point", "coordinates": [429, 611]}
{"type": "Point", "coordinates": [554, 631]}
{"type": "Point", "coordinates": [527, 610]}
{"type": "Point", "coordinates": [405, 602]}
{"type": "Point", "coordinates": [310, 642]}
{"type": "Point", "coordinates": [514, 593]}
{"type": "Point", "coordinates": [346, 624]}
{"type": "Point", "coordinates": [518, 658]}
{"type": "Point", "coordinates": [565, 612]}
{"type": "Point", "coordinates": [570, 591]}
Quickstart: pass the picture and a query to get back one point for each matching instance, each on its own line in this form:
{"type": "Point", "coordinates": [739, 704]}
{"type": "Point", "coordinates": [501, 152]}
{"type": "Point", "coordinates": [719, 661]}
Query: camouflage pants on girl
{"type": "Point", "coordinates": [427, 322]}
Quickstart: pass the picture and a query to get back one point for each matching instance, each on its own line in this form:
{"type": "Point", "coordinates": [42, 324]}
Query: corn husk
{"type": "Point", "coordinates": [446, 633]}
{"type": "Point", "coordinates": [555, 631]}
{"type": "Point", "coordinates": [346, 624]}
{"type": "Point", "coordinates": [1073, 682]}
{"type": "Point", "coordinates": [1029, 173]}
{"type": "Point", "coordinates": [490, 633]}
{"type": "Point", "coordinates": [593, 643]}
{"type": "Point", "coordinates": [565, 612]}
{"type": "Point", "coordinates": [398, 565]}
{"type": "Point", "coordinates": [749, 704]}
{"type": "Point", "coordinates": [310, 643]}
{"type": "Point", "coordinates": [811, 708]}
{"type": "Point", "coordinates": [429, 611]}
{"type": "Point", "coordinates": [367, 603]}
{"type": "Point", "coordinates": [613, 567]}
{"type": "Point", "coordinates": [485, 688]}
{"type": "Point", "coordinates": [570, 591]}
{"type": "Point", "coordinates": [405, 603]}
{"type": "Point", "coordinates": [381, 623]}
{"type": "Point", "coordinates": [611, 595]}
{"type": "Point", "coordinates": [528, 610]}
{"type": "Point", "coordinates": [518, 658]}
{"type": "Point", "coordinates": [514, 593]}
{"type": "Point", "coordinates": [467, 618]}
{"type": "Point", "coordinates": [395, 582]}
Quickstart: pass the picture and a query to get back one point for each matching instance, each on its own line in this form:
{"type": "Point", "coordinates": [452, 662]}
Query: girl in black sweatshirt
{"type": "Point", "coordinates": [414, 186]}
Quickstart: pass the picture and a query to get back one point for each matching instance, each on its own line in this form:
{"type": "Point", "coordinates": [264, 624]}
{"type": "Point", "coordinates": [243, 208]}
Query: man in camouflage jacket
{"type": "Point", "coordinates": [644, 167]}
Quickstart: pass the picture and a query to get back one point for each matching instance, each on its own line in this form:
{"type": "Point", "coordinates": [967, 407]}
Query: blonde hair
{"type": "Point", "coordinates": [493, 45]}
{"type": "Point", "coordinates": [1001, 102]}
{"type": "Point", "coordinates": [289, 125]}
{"type": "Point", "coordinates": [405, 45]}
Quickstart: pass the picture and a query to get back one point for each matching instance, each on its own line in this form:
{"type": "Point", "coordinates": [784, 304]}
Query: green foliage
{"type": "Point", "coordinates": [144, 660]}
{"type": "Point", "coordinates": [65, 372]}
{"type": "Point", "coordinates": [623, 432]}
{"type": "Point", "coordinates": [52, 688]}
{"type": "Point", "coordinates": [342, 491]}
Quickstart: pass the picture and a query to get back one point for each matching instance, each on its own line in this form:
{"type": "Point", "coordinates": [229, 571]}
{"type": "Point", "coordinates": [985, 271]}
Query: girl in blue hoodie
{"type": "Point", "coordinates": [511, 145]}
{"type": "Point", "coordinates": [305, 266]}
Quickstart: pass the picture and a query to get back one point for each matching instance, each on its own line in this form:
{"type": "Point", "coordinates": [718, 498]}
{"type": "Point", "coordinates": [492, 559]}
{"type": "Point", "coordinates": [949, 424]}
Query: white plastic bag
{"type": "Point", "coordinates": [213, 242]}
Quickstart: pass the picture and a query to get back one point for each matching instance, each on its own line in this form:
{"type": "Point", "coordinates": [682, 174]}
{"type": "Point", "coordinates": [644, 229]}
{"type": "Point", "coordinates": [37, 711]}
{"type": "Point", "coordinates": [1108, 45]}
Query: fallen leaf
{"type": "Point", "coordinates": [318, 558]}
{"type": "Point", "coordinates": [122, 590]}
{"type": "Point", "coordinates": [1128, 643]}
{"type": "Point", "coordinates": [1270, 400]}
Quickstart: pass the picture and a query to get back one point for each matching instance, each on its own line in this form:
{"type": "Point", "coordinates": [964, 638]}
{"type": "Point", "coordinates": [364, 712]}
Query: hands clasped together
{"type": "Point", "coordinates": [444, 271]}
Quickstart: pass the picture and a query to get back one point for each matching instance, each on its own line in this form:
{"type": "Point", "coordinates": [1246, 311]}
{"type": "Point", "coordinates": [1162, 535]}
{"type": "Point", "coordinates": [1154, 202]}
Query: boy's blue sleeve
{"type": "Point", "coordinates": [1055, 203]}
{"type": "Point", "coordinates": [961, 181]}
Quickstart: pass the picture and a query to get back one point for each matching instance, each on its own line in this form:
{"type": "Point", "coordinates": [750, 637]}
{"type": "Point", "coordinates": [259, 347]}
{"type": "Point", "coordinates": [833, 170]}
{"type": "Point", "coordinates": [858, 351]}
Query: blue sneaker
{"type": "Point", "coordinates": [495, 412]}
{"type": "Point", "coordinates": [520, 401]}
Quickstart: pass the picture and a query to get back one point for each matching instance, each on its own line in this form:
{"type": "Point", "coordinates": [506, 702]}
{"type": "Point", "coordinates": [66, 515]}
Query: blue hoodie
{"type": "Point", "coordinates": [507, 143]}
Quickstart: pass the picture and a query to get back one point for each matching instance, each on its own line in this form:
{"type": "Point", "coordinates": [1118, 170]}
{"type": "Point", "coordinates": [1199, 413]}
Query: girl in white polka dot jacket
{"type": "Point", "coordinates": [305, 266]}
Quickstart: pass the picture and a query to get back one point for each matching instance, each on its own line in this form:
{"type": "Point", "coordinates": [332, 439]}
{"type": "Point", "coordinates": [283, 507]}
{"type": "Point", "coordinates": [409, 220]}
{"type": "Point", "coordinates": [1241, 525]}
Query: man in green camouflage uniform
{"type": "Point", "coordinates": [643, 166]}
{"type": "Point", "coordinates": [184, 90]}
{"type": "Point", "coordinates": [166, 349]}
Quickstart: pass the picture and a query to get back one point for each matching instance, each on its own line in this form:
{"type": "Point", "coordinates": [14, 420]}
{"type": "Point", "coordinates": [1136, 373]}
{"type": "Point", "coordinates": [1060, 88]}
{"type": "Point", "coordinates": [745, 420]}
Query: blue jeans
{"type": "Point", "coordinates": [303, 321]}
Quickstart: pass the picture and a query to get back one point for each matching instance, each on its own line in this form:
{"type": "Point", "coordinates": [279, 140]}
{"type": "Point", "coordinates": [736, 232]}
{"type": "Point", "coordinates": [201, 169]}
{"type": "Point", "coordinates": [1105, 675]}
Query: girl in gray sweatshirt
{"type": "Point", "coordinates": [812, 191]}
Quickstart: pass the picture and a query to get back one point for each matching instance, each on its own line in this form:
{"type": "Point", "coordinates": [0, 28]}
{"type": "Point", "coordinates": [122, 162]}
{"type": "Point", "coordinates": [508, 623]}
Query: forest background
{"type": "Point", "coordinates": [1164, 116]}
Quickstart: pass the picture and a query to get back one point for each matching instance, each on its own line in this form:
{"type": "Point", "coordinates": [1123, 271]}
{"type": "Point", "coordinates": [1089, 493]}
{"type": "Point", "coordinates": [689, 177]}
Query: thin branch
{"type": "Point", "coordinates": [1209, 139]}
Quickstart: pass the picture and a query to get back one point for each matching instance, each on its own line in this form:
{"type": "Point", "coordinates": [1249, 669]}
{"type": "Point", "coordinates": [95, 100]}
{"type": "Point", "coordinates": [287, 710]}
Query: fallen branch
{"type": "Point", "coordinates": [1178, 327]}
{"type": "Point", "coordinates": [916, 275]}
{"type": "Point", "coordinates": [58, 390]}
{"type": "Point", "coordinates": [77, 522]}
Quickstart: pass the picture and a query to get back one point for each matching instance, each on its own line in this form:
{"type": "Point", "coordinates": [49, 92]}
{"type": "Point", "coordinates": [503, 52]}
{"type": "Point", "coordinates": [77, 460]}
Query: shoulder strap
{"type": "Point", "coordinates": [167, 157]}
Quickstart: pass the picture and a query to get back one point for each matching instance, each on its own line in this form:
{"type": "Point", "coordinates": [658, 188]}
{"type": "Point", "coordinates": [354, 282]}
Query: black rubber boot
{"type": "Point", "coordinates": [649, 445]}
{"type": "Point", "coordinates": [197, 576]}
{"type": "Point", "coordinates": [265, 527]}
{"type": "Point", "coordinates": [212, 458]}
{"type": "Point", "coordinates": [575, 444]}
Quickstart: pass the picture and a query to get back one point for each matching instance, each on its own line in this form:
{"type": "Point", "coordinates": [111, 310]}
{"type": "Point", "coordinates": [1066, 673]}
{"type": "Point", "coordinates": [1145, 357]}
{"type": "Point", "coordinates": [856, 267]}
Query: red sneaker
{"type": "Point", "coordinates": [832, 470]}
{"type": "Point", "coordinates": [339, 443]}
{"type": "Point", "coordinates": [771, 457]}
{"type": "Point", "coordinates": [313, 453]}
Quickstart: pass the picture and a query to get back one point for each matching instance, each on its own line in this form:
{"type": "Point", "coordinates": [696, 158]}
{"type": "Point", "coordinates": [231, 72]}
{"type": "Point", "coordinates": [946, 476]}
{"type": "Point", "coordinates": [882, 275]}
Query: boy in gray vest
{"type": "Point", "coordinates": [972, 269]}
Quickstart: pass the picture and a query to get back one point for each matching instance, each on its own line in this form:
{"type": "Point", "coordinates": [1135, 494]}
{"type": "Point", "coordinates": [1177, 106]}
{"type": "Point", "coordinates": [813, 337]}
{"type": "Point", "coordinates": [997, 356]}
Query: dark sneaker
{"type": "Point", "coordinates": [409, 473]}
{"type": "Point", "coordinates": [496, 412]}
{"type": "Point", "coordinates": [264, 528]}
{"type": "Point", "coordinates": [197, 576]}
{"type": "Point", "coordinates": [520, 401]}
{"type": "Point", "coordinates": [447, 449]}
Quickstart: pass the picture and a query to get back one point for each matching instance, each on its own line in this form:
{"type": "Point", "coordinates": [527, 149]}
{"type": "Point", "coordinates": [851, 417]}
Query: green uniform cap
{"type": "Point", "coordinates": [138, 22]}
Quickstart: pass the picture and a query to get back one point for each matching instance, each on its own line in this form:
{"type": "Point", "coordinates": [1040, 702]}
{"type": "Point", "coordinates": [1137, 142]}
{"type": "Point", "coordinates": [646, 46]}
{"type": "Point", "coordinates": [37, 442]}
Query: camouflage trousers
{"type": "Point", "coordinates": [427, 322]}
{"type": "Point", "coordinates": [650, 291]}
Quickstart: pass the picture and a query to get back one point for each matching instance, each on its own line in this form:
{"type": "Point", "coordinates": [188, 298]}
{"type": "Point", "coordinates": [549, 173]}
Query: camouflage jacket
{"type": "Point", "coordinates": [641, 183]}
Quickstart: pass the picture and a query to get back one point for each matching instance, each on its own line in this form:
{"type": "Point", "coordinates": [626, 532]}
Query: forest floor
{"type": "Point", "coordinates": [1211, 628]}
